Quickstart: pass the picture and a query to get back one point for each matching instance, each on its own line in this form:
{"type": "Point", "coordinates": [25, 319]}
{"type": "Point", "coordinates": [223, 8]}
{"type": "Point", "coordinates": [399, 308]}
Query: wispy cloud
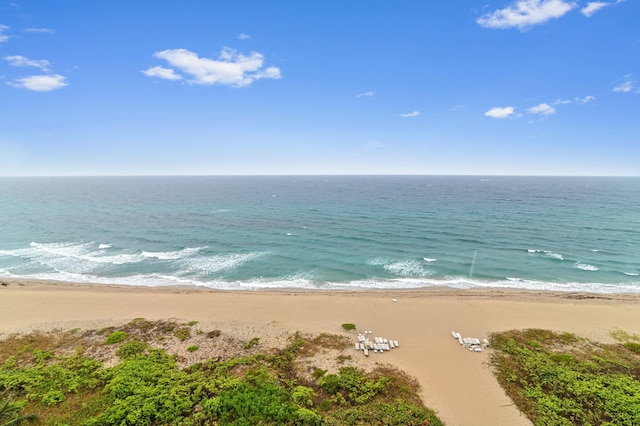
{"type": "Point", "coordinates": [627, 85]}
{"type": "Point", "coordinates": [365, 95]}
{"type": "Point", "coordinates": [230, 68]}
{"type": "Point", "coordinates": [40, 83]}
{"type": "Point", "coordinates": [542, 109]}
{"type": "Point", "coordinates": [243, 36]}
{"type": "Point", "coordinates": [3, 36]}
{"type": "Point", "coordinates": [585, 100]}
{"type": "Point", "coordinates": [21, 61]}
{"type": "Point", "coordinates": [457, 107]}
{"type": "Point", "coordinates": [526, 13]}
{"type": "Point", "coordinates": [594, 6]}
{"type": "Point", "coordinates": [499, 112]}
{"type": "Point", "coordinates": [161, 72]}
{"type": "Point", "coordinates": [410, 114]}
{"type": "Point", "coordinates": [576, 100]}
{"type": "Point", "coordinates": [40, 30]}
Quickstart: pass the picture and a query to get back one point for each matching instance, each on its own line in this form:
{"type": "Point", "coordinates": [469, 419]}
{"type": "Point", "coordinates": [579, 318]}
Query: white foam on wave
{"type": "Point", "coordinates": [409, 268]}
{"type": "Point", "coordinates": [547, 253]}
{"type": "Point", "coordinates": [60, 253]}
{"type": "Point", "coordinates": [632, 274]}
{"type": "Point", "coordinates": [216, 263]}
{"type": "Point", "coordinates": [307, 281]}
{"type": "Point", "coordinates": [172, 255]}
{"type": "Point", "coordinates": [104, 246]}
{"type": "Point", "coordinates": [429, 259]}
{"type": "Point", "coordinates": [586, 267]}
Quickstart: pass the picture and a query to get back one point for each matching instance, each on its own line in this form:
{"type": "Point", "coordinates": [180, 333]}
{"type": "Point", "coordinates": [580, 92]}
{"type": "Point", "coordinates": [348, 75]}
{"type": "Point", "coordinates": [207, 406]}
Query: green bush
{"type": "Point", "coordinates": [52, 397]}
{"type": "Point", "coordinates": [257, 400]}
{"type": "Point", "coordinates": [213, 333]}
{"type": "Point", "coordinates": [348, 326]}
{"type": "Point", "coordinates": [182, 333]}
{"type": "Point", "coordinates": [633, 347]}
{"type": "Point", "coordinates": [131, 349]}
{"type": "Point", "coordinates": [116, 337]}
{"type": "Point", "coordinates": [303, 396]}
{"type": "Point", "coordinates": [563, 380]}
{"type": "Point", "coordinates": [353, 384]}
{"type": "Point", "coordinates": [251, 343]}
{"type": "Point", "coordinates": [193, 348]}
{"type": "Point", "coordinates": [397, 413]}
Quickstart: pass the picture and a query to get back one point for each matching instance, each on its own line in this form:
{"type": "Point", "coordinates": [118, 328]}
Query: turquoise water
{"type": "Point", "coordinates": [331, 232]}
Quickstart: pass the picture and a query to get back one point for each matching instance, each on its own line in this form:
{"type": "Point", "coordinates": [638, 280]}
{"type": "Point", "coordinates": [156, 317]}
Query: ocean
{"type": "Point", "coordinates": [325, 232]}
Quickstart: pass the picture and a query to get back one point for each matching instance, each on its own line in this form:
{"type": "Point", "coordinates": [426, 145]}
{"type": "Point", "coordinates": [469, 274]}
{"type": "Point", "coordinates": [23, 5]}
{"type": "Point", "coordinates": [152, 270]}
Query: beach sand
{"type": "Point", "coordinates": [455, 382]}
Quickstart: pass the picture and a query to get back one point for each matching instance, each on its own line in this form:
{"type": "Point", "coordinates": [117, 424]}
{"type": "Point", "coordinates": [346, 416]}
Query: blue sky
{"type": "Point", "coordinates": [529, 87]}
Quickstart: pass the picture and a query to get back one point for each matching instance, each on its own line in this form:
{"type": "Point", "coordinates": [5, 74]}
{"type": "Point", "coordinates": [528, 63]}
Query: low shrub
{"type": "Point", "coordinates": [131, 349]}
{"type": "Point", "coordinates": [213, 333]}
{"type": "Point", "coordinates": [116, 337]}
{"type": "Point", "coordinates": [563, 379]}
{"type": "Point", "coordinates": [251, 343]}
{"type": "Point", "coordinates": [182, 333]}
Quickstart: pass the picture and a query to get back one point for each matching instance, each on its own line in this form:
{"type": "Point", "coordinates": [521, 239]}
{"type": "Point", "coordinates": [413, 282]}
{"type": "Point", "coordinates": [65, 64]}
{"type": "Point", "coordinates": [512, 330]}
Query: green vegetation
{"type": "Point", "coordinates": [59, 377]}
{"type": "Point", "coordinates": [10, 414]}
{"type": "Point", "coordinates": [348, 326]}
{"type": "Point", "coordinates": [116, 337]}
{"type": "Point", "coordinates": [561, 379]}
{"type": "Point", "coordinates": [213, 334]}
{"type": "Point", "coordinates": [193, 348]}
{"type": "Point", "coordinates": [182, 333]}
{"type": "Point", "coordinates": [251, 343]}
{"type": "Point", "coordinates": [131, 349]}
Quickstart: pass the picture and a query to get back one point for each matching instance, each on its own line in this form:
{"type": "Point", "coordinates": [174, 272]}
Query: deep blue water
{"type": "Point", "coordinates": [325, 232]}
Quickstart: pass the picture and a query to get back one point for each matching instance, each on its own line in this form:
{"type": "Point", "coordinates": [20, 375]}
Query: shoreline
{"type": "Point", "coordinates": [455, 382]}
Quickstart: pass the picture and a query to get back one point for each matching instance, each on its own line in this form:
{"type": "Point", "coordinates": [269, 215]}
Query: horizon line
{"type": "Point", "coordinates": [320, 175]}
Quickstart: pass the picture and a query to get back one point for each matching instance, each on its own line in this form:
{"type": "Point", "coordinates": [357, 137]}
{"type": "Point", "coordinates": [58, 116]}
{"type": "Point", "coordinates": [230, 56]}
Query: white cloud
{"type": "Point", "coordinates": [231, 68]}
{"type": "Point", "coordinates": [4, 37]}
{"type": "Point", "coordinates": [40, 30]}
{"type": "Point", "coordinates": [21, 61]}
{"type": "Point", "coordinates": [243, 36]}
{"type": "Point", "coordinates": [586, 99]}
{"type": "Point", "coordinates": [410, 114]}
{"type": "Point", "coordinates": [542, 109]}
{"type": "Point", "coordinates": [626, 86]}
{"type": "Point", "coordinates": [40, 83]}
{"type": "Point", "coordinates": [498, 112]}
{"type": "Point", "coordinates": [577, 100]}
{"type": "Point", "coordinates": [161, 72]}
{"type": "Point", "coordinates": [365, 94]}
{"type": "Point", "coordinates": [594, 6]}
{"type": "Point", "coordinates": [526, 13]}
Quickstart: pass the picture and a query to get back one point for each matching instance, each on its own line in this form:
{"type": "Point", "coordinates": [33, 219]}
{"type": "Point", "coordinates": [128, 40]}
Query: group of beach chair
{"type": "Point", "coordinates": [471, 343]}
{"type": "Point", "coordinates": [377, 345]}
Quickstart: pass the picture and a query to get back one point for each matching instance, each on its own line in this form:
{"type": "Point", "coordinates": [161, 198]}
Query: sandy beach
{"type": "Point", "coordinates": [455, 382]}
